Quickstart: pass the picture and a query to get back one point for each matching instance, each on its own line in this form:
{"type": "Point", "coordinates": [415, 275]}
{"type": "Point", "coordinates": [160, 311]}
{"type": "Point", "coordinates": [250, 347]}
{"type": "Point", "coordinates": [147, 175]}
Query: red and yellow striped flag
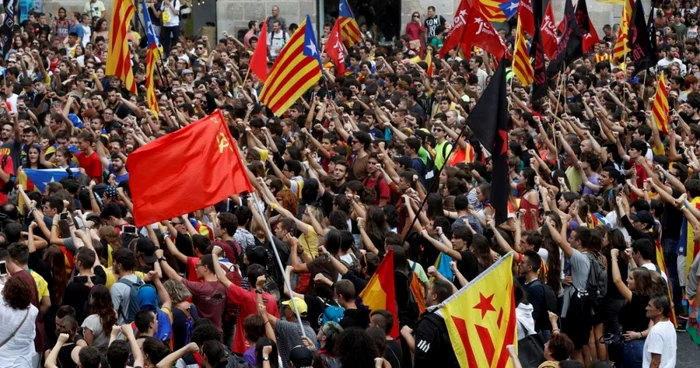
{"type": "Point", "coordinates": [622, 45]}
{"type": "Point", "coordinates": [296, 69]}
{"type": "Point", "coordinates": [480, 318]}
{"type": "Point", "coordinates": [659, 109]}
{"type": "Point", "coordinates": [522, 67]}
{"type": "Point", "coordinates": [118, 55]}
{"type": "Point", "coordinates": [152, 56]}
{"type": "Point", "coordinates": [380, 293]}
{"type": "Point", "coordinates": [429, 61]}
{"type": "Point", "coordinates": [348, 25]}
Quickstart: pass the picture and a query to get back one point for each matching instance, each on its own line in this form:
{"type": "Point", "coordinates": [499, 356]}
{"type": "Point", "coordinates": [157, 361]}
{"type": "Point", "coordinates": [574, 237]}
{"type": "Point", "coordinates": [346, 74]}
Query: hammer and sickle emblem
{"type": "Point", "coordinates": [223, 143]}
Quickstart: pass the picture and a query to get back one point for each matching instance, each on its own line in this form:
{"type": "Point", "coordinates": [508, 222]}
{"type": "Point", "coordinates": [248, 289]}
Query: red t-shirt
{"type": "Point", "coordinates": [9, 168]}
{"type": "Point", "coordinates": [246, 300]}
{"type": "Point", "coordinates": [210, 299]}
{"type": "Point", "coordinates": [92, 165]}
{"type": "Point", "coordinates": [380, 186]}
{"type": "Point", "coordinates": [641, 177]}
{"type": "Point", "coordinates": [191, 269]}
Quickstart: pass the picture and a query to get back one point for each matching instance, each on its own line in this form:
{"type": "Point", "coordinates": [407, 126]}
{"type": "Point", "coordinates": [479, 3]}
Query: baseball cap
{"type": "Point", "coordinates": [302, 308]}
{"type": "Point", "coordinates": [643, 217]}
{"type": "Point", "coordinates": [147, 250]}
{"type": "Point", "coordinates": [301, 356]}
{"type": "Point", "coordinates": [187, 71]}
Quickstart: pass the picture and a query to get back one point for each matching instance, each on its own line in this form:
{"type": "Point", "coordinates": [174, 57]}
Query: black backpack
{"type": "Point", "coordinates": [597, 284]}
{"type": "Point", "coordinates": [444, 337]}
{"type": "Point", "coordinates": [548, 304]}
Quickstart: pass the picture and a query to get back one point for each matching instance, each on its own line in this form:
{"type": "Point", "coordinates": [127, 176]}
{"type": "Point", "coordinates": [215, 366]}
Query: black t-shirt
{"type": "Point", "coordinates": [77, 294]}
{"type": "Point", "coordinates": [14, 150]}
{"type": "Point", "coordinates": [671, 219]}
{"type": "Point", "coordinates": [613, 293]}
{"type": "Point", "coordinates": [355, 318]}
{"type": "Point", "coordinates": [468, 266]}
{"type": "Point", "coordinates": [393, 353]}
{"type": "Point", "coordinates": [633, 316]}
{"type": "Point", "coordinates": [316, 307]}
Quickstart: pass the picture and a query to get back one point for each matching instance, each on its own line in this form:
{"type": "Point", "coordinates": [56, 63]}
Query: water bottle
{"type": "Point", "coordinates": [684, 303]}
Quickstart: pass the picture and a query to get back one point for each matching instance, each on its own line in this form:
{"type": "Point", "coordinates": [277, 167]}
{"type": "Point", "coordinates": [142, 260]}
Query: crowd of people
{"type": "Point", "coordinates": [602, 216]}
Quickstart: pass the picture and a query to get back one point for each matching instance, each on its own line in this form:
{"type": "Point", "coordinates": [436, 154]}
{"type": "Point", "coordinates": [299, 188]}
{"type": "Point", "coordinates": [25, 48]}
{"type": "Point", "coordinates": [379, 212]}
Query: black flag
{"type": "Point", "coordinates": [492, 131]}
{"type": "Point", "coordinates": [8, 25]}
{"type": "Point", "coordinates": [641, 50]}
{"type": "Point", "coordinates": [571, 41]}
{"type": "Point", "coordinates": [539, 85]}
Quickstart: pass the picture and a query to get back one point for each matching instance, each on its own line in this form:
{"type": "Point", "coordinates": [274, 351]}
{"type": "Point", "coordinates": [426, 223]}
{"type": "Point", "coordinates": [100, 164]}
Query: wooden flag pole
{"type": "Point", "coordinates": [247, 73]}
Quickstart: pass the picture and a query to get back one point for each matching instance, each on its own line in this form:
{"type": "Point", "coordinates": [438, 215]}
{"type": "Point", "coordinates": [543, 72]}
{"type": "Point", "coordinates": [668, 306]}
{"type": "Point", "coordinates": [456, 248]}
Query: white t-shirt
{"type": "Point", "coordinates": [19, 350]}
{"type": "Point", "coordinates": [100, 339]}
{"type": "Point", "coordinates": [174, 17]}
{"type": "Point", "coordinates": [87, 32]}
{"type": "Point", "coordinates": [661, 340]}
{"type": "Point", "coordinates": [652, 267]}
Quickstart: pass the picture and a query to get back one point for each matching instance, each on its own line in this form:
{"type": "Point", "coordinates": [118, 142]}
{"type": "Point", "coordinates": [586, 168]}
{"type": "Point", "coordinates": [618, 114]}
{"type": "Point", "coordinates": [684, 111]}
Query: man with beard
{"type": "Point", "coordinates": [118, 169]}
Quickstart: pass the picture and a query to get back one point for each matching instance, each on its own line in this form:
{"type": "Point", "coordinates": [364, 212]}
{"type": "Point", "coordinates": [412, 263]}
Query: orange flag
{"type": "Point", "coordinates": [379, 292]}
{"type": "Point", "coordinates": [480, 318]}
{"type": "Point", "coordinates": [187, 170]}
{"type": "Point", "coordinates": [258, 63]}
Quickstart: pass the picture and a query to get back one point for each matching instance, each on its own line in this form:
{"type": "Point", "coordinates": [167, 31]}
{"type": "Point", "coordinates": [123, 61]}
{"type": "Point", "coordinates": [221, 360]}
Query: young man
{"type": "Point", "coordinates": [352, 316]}
{"type": "Point", "coordinates": [375, 180]}
{"type": "Point", "coordinates": [88, 158]}
{"type": "Point", "coordinates": [123, 263]}
{"type": "Point", "coordinates": [426, 341]}
{"type": "Point", "coordinates": [530, 264]}
{"type": "Point", "coordinates": [660, 345]}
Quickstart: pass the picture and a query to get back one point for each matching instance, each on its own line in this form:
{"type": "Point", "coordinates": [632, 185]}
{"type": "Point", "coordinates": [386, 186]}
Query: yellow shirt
{"type": "Point", "coordinates": [309, 242]}
{"type": "Point", "coordinates": [42, 287]}
{"type": "Point", "coordinates": [111, 279]}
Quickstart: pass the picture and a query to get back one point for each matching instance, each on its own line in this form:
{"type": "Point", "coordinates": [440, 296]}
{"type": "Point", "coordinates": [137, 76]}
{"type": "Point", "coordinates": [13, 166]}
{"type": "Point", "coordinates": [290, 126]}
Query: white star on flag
{"type": "Point", "coordinates": [463, 12]}
{"type": "Point", "coordinates": [50, 181]}
{"type": "Point", "coordinates": [513, 5]}
{"type": "Point", "coordinates": [478, 20]}
{"type": "Point", "coordinates": [311, 46]}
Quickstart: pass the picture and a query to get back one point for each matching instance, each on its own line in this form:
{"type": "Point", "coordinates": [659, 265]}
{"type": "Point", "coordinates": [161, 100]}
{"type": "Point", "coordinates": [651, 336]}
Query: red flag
{"type": "Point", "coordinates": [184, 171]}
{"type": "Point", "coordinates": [590, 36]}
{"type": "Point", "coordinates": [380, 291]}
{"type": "Point", "coordinates": [549, 33]}
{"type": "Point", "coordinates": [454, 38]}
{"type": "Point", "coordinates": [258, 63]}
{"type": "Point", "coordinates": [334, 49]}
{"type": "Point", "coordinates": [480, 32]}
{"type": "Point", "coordinates": [526, 18]}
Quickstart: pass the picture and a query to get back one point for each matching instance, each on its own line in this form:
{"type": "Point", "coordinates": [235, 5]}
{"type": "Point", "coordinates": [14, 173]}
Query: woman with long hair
{"type": "Point", "coordinates": [373, 230]}
{"type": "Point", "coordinates": [355, 348]}
{"type": "Point", "coordinates": [184, 313]}
{"type": "Point", "coordinates": [266, 348]}
{"type": "Point", "coordinates": [434, 203]}
{"type": "Point", "coordinates": [98, 325]}
{"type": "Point", "coordinates": [529, 199]}
{"type": "Point", "coordinates": [637, 292]}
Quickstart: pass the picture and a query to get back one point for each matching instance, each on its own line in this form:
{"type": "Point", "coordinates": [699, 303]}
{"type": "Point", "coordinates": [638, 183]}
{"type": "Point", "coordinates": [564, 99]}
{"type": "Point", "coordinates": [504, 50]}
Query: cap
{"type": "Point", "coordinates": [147, 250]}
{"type": "Point", "coordinates": [187, 71]}
{"type": "Point", "coordinates": [300, 303]}
{"type": "Point", "coordinates": [643, 217]}
{"type": "Point", "coordinates": [301, 356]}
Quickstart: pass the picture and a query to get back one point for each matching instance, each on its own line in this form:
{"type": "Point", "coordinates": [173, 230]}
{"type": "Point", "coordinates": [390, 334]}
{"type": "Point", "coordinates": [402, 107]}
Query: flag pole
{"type": "Point", "coordinates": [258, 206]}
{"type": "Point", "coordinates": [247, 73]}
{"type": "Point", "coordinates": [168, 86]}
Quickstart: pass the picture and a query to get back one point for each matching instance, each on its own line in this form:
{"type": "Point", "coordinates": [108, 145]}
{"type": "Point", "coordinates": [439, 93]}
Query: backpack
{"type": "Point", "coordinates": [135, 288]}
{"type": "Point", "coordinates": [548, 304]}
{"type": "Point", "coordinates": [443, 337]}
{"type": "Point", "coordinates": [597, 284]}
{"type": "Point", "coordinates": [331, 313]}
{"type": "Point", "coordinates": [410, 313]}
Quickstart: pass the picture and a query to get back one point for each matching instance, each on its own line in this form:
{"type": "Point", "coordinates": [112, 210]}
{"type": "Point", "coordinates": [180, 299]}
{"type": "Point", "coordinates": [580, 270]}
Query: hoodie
{"type": "Point", "coordinates": [523, 313]}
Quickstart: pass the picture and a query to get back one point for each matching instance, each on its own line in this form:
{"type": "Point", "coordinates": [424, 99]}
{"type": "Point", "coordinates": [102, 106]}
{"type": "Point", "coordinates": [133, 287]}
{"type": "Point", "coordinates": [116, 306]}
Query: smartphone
{"type": "Point", "coordinates": [80, 279]}
{"type": "Point", "coordinates": [63, 216]}
{"type": "Point", "coordinates": [129, 229]}
{"type": "Point", "coordinates": [3, 269]}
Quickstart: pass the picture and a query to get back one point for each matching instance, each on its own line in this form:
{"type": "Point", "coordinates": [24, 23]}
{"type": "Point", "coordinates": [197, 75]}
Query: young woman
{"type": "Point", "coordinates": [184, 313]}
{"type": "Point", "coordinates": [98, 325]}
{"type": "Point", "coordinates": [637, 293]}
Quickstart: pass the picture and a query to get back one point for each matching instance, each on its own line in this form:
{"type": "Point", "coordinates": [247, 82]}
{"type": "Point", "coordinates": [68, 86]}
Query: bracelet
{"type": "Point", "coordinates": [273, 206]}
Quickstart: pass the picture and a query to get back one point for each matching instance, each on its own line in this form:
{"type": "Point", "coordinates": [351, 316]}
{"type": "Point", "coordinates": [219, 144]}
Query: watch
{"type": "Point", "coordinates": [266, 358]}
{"type": "Point", "coordinates": [162, 259]}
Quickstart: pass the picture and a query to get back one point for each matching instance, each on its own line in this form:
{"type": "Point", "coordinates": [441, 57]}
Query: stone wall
{"type": "Point", "coordinates": [233, 15]}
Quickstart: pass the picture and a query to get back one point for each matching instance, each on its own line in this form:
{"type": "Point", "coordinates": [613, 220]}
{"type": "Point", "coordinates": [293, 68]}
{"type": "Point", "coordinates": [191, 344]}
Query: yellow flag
{"type": "Point", "coordinates": [480, 318]}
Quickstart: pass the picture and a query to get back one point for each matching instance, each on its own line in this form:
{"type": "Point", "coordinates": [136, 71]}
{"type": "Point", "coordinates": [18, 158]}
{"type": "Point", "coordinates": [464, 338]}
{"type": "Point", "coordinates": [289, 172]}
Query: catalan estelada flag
{"type": "Point", "coordinates": [348, 24]}
{"type": "Point", "coordinates": [118, 55]}
{"type": "Point", "coordinates": [496, 10]}
{"type": "Point", "coordinates": [480, 318]}
{"type": "Point", "coordinates": [380, 293]}
{"type": "Point", "coordinates": [153, 53]}
{"type": "Point", "coordinates": [296, 69]}
{"type": "Point", "coordinates": [659, 108]}
{"type": "Point", "coordinates": [522, 67]}
{"type": "Point", "coordinates": [622, 46]}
